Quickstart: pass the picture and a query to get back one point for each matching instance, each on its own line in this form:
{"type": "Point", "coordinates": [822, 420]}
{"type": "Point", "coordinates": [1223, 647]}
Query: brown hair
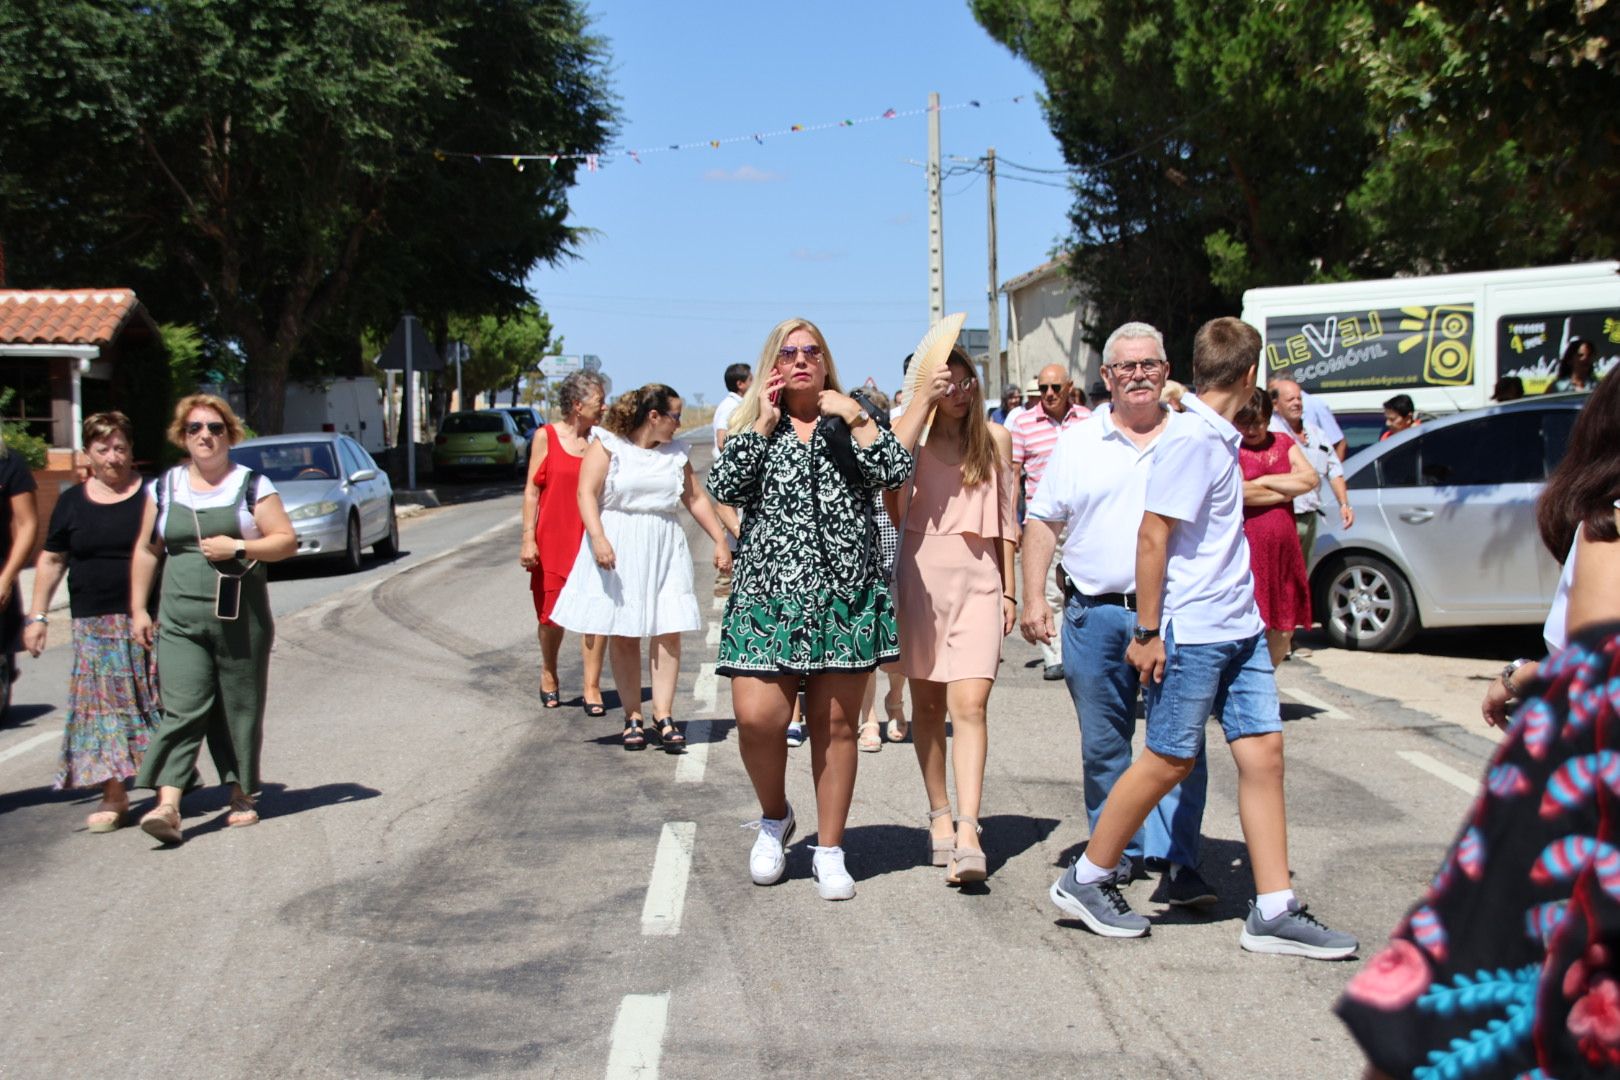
{"type": "Point", "coordinates": [630, 410]}
{"type": "Point", "coordinates": [1257, 410]}
{"type": "Point", "coordinates": [979, 455]}
{"type": "Point", "coordinates": [1223, 352]}
{"type": "Point", "coordinates": [99, 426]}
{"type": "Point", "coordinates": [1583, 488]}
{"type": "Point", "coordinates": [177, 426]}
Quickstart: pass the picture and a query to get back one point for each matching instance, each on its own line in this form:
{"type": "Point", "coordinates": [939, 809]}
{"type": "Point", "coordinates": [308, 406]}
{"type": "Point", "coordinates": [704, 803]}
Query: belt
{"type": "Point", "coordinates": [1126, 600]}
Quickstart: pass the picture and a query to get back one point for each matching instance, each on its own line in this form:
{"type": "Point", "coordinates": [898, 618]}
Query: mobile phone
{"type": "Point", "coordinates": [227, 597]}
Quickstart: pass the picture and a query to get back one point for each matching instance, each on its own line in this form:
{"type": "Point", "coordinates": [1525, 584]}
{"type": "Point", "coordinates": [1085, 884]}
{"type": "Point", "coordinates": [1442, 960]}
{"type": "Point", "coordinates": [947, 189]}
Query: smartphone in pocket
{"type": "Point", "coordinates": [227, 597]}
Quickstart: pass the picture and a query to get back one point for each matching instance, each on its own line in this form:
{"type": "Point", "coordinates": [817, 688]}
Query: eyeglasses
{"type": "Point", "coordinates": [1056, 388]}
{"type": "Point", "coordinates": [966, 384]}
{"type": "Point", "coordinates": [215, 428]}
{"type": "Point", "coordinates": [675, 416]}
{"type": "Point", "coordinates": [787, 354]}
{"type": "Point", "coordinates": [1131, 367]}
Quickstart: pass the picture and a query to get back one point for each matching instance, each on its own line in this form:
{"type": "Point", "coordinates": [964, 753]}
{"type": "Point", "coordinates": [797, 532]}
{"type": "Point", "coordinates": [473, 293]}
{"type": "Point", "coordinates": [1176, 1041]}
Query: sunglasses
{"type": "Point", "coordinates": [675, 416]}
{"type": "Point", "coordinates": [1056, 388]}
{"type": "Point", "coordinates": [966, 384]}
{"type": "Point", "coordinates": [789, 353]}
{"type": "Point", "coordinates": [215, 428]}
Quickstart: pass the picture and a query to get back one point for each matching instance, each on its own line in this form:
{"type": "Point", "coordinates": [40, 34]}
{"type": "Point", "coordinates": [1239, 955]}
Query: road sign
{"type": "Point", "coordinates": [423, 356]}
{"type": "Point", "coordinates": [555, 367]}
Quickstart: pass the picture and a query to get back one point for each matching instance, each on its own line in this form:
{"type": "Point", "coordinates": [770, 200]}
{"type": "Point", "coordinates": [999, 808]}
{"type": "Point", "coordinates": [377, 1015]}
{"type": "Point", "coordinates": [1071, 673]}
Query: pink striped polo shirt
{"type": "Point", "coordinates": [1034, 434]}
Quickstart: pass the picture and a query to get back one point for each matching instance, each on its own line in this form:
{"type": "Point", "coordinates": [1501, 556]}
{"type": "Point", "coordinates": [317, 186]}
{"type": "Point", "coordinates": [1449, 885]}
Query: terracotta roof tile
{"type": "Point", "coordinates": [63, 317]}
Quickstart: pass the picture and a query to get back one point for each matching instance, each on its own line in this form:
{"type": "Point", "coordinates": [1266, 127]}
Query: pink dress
{"type": "Point", "coordinates": [947, 576]}
{"type": "Point", "coordinates": [1280, 586]}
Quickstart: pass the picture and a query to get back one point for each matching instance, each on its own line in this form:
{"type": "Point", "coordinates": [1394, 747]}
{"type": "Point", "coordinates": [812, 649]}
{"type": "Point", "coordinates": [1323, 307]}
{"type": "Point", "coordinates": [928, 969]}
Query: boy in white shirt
{"type": "Point", "coordinates": [1193, 581]}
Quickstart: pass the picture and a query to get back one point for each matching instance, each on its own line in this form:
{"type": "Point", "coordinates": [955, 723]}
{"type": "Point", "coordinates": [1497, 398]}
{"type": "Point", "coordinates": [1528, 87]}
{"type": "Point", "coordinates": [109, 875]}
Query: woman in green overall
{"type": "Point", "coordinates": [218, 523]}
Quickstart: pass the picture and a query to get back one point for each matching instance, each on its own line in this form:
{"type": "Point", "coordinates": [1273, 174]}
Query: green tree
{"type": "Point", "coordinates": [267, 168]}
{"type": "Point", "coordinates": [502, 349]}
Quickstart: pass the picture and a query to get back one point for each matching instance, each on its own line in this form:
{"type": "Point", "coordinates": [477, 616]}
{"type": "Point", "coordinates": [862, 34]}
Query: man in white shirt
{"type": "Point", "coordinates": [739, 377]}
{"type": "Point", "coordinates": [1193, 582]}
{"type": "Point", "coordinates": [1096, 479]}
{"type": "Point", "coordinates": [1288, 418]}
{"type": "Point", "coordinates": [1320, 416]}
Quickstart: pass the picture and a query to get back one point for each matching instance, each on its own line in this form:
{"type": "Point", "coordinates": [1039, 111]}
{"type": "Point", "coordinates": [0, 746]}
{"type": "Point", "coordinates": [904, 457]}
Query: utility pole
{"type": "Point", "coordinates": [993, 364]}
{"type": "Point", "coordinates": [936, 226]}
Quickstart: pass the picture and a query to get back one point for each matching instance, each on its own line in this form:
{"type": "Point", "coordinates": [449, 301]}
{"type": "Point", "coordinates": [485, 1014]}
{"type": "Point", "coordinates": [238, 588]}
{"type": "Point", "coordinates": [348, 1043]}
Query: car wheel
{"type": "Point", "coordinates": [351, 547]}
{"type": "Point", "coordinates": [388, 546]}
{"type": "Point", "coordinates": [1365, 603]}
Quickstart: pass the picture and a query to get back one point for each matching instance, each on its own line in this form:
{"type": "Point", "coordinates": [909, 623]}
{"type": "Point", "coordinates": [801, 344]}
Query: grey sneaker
{"type": "Point", "coordinates": [767, 861]}
{"type": "Point", "coordinates": [1053, 672]}
{"type": "Point", "coordinates": [795, 735]}
{"type": "Point", "coordinates": [1184, 886]}
{"type": "Point", "coordinates": [1295, 933]}
{"type": "Point", "coordinates": [1099, 905]}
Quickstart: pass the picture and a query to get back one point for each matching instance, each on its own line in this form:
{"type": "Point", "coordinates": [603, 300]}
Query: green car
{"type": "Point", "coordinates": [485, 441]}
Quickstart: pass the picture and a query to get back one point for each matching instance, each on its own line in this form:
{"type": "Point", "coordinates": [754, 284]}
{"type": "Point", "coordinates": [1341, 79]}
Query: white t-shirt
{"type": "Point", "coordinates": [722, 414]}
{"type": "Point", "coordinates": [1314, 443]}
{"type": "Point", "coordinates": [1095, 483]}
{"type": "Point", "coordinates": [1319, 416]}
{"type": "Point", "coordinates": [1195, 479]}
{"type": "Point", "coordinates": [224, 495]}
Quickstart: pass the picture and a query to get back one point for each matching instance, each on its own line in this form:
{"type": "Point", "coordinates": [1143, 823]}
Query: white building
{"type": "Point", "coordinates": [1046, 317]}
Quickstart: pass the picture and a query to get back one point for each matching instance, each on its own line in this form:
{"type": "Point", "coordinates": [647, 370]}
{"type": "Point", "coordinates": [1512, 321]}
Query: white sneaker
{"type": "Point", "coordinates": [832, 880]}
{"type": "Point", "coordinates": [767, 862]}
{"type": "Point", "coordinates": [795, 735]}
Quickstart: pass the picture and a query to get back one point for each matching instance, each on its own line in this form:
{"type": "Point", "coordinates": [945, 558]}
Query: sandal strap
{"type": "Point", "coordinates": [935, 815]}
{"type": "Point", "coordinates": [973, 821]}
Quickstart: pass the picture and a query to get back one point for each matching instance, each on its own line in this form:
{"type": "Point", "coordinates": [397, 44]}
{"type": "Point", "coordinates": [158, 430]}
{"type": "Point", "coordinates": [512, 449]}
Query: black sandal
{"type": "Point", "coordinates": [550, 699]}
{"type": "Point", "coordinates": [633, 738]}
{"type": "Point", "coordinates": [595, 708]}
{"type": "Point", "coordinates": [670, 736]}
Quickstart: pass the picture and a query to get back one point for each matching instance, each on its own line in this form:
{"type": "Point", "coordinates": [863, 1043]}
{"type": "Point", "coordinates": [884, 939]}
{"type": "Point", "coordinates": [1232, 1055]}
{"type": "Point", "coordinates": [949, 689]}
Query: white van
{"type": "Point", "coordinates": [1443, 339]}
{"type": "Point", "coordinates": [349, 406]}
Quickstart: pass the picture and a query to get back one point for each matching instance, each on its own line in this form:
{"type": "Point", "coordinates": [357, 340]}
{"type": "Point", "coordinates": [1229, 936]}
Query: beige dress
{"type": "Point", "coordinates": [947, 575]}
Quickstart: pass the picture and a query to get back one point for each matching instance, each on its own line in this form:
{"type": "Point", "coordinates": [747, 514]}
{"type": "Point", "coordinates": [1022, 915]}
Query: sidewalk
{"type": "Point", "coordinates": [25, 590]}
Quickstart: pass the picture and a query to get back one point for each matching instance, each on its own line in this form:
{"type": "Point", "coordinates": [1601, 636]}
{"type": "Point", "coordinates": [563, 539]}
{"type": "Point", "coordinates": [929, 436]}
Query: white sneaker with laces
{"type": "Point", "coordinates": [832, 880]}
{"type": "Point", "coordinates": [767, 861]}
{"type": "Point", "coordinates": [795, 735]}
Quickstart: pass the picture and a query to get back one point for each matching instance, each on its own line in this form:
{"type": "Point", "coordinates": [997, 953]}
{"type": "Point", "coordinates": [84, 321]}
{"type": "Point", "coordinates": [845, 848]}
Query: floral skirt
{"type": "Point", "coordinates": [1509, 966]}
{"type": "Point", "coordinates": [113, 703]}
{"type": "Point", "coordinates": [806, 635]}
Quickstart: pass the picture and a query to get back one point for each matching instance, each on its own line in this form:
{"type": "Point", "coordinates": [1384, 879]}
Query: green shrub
{"type": "Point", "coordinates": [18, 440]}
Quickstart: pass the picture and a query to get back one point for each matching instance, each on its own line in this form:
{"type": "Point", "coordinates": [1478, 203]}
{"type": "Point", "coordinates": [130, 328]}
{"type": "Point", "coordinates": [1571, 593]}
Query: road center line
{"type": "Point", "coordinates": [714, 634]}
{"type": "Point", "coordinates": [638, 1037]}
{"type": "Point", "coordinates": [28, 744]}
{"type": "Point", "coordinates": [1468, 785]}
{"type": "Point", "coordinates": [666, 893]}
{"type": "Point", "coordinates": [720, 603]}
{"type": "Point", "coordinates": [1311, 701]}
{"type": "Point", "coordinates": [690, 768]}
{"type": "Point", "coordinates": [705, 688]}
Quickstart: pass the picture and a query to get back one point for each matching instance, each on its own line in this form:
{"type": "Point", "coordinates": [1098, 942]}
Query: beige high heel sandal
{"type": "Point", "coordinates": [939, 851]}
{"type": "Point", "coordinates": [967, 864]}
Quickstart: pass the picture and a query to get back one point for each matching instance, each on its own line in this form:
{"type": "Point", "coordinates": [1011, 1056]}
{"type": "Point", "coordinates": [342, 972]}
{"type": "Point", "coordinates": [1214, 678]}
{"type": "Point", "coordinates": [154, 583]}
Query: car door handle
{"type": "Point", "coordinates": [1416, 516]}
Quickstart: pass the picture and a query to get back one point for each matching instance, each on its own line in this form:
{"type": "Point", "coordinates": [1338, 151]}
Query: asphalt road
{"type": "Point", "coordinates": [450, 881]}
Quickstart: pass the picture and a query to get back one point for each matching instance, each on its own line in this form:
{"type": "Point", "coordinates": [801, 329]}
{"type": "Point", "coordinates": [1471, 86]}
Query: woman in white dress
{"type": "Point", "coordinates": [634, 579]}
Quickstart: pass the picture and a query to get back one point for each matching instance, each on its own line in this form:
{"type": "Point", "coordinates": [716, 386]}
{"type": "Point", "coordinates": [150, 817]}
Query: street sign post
{"type": "Point", "coordinates": [409, 350]}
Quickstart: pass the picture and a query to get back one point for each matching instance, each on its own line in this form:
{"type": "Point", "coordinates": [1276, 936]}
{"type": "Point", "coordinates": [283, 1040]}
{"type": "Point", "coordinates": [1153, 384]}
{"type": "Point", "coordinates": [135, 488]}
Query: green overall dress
{"type": "Point", "coordinates": [213, 671]}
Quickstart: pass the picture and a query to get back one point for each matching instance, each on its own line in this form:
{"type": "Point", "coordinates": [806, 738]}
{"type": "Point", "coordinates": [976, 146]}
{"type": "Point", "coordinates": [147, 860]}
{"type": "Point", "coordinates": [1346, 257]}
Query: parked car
{"type": "Point", "coordinates": [1445, 530]}
{"type": "Point", "coordinates": [486, 439]}
{"type": "Point", "coordinates": [527, 417]}
{"type": "Point", "coordinates": [337, 498]}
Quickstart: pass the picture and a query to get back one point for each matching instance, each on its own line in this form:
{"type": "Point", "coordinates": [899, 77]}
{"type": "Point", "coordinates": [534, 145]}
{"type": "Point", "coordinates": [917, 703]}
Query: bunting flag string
{"type": "Point", "coordinates": [594, 161]}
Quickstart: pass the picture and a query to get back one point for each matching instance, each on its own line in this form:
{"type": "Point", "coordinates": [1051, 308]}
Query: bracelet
{"type": "Point", "coordinates": [1011, 597]}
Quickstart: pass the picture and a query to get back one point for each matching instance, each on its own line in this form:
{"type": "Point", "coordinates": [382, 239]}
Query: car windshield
{"type": "Point", "coordinates": [523, 418]}
{"type": "Point", "coordinates": [472, 424]}
{"type": "Point", "coordinates": [289, 461]}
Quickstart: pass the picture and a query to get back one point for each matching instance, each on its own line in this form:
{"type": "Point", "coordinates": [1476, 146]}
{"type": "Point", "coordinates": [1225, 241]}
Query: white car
{"type": "Point", "coordinates": [337, 498]}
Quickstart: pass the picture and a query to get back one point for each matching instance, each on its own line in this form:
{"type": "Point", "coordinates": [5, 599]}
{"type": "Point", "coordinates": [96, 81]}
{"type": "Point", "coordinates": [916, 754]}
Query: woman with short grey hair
{"type": "Point", "coordinates": [552, 529]}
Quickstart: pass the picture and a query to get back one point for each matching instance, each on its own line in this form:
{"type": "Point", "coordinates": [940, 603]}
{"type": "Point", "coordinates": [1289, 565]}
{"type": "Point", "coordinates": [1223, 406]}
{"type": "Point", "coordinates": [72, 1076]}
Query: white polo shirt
{"type": "Point", "coordinates": [1318, 415]}
{"type": "Point", "coordinates": [1195, 479]}
{"type": "Point", "coordinates": [722, 414]}
{"type": "Point", "coordinates": [1095, 482]}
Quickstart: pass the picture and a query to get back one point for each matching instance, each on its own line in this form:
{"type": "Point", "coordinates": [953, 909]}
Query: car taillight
{"type": "Point", "coordinates": [503, 438]}
{"type": "Point", "coordinates": [440, 440]}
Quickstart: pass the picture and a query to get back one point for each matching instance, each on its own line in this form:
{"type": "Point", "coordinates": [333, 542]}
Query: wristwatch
{"type": "Point", "coordinates": [241, 550]}
{"type": "Point", "coordinates": [861, 420]}
{"type": "Point", "coordinates": [37, 617]}
{"type": "Point", "coordinates": [1507, 677]}
{"type": "Point", "coordinates": [1143, 635]}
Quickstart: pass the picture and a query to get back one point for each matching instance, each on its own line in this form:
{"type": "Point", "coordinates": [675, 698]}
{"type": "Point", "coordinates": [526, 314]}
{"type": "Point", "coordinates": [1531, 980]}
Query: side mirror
{"type": "Point", "coordinates": [362, 475]}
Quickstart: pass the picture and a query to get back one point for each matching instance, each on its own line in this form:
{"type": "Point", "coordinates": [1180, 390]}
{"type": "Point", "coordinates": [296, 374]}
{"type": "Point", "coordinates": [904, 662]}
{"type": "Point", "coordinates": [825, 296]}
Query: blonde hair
{"type": "Point", "coordinates": [177, 426]}
{"type": "Point", "coordinates": [979, 455]}
{"type": "Point", "coordinates": [748, 411]}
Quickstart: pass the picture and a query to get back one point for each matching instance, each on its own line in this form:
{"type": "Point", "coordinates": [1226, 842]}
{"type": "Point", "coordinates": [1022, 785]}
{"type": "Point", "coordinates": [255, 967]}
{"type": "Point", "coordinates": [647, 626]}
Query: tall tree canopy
{"type": "Point", "coordinates": [267, 168]}
{"type": "Point", "coordinates": [1219, 145]}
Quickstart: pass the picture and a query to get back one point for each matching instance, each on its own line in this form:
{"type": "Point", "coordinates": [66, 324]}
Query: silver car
{"type": "Point", "coordinates": [337, 498]}
{"type": "Point", "coordinates": [1445, 530]}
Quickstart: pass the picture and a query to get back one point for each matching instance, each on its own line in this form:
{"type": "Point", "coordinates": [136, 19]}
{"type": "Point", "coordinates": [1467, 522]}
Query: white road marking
{"type": "Point", "coordinates": [719, 603]}
{"type": "Point", "coordinates": [714, 634]}
{"type": "Point", "coordinates": [638, 1037]}
{"type": "Point", "coordinates": [705, 688]}
{"type": "Point", "coordinates": [1468, 785]}
{"type": "Point", "coordinates": [28, 744]}
{"type": "Point", "coordinates": [1313, 702]}
{"type": "Point", "coordinates": [689, 769]}
{"type": "Point", "coordinates": [666, 892]}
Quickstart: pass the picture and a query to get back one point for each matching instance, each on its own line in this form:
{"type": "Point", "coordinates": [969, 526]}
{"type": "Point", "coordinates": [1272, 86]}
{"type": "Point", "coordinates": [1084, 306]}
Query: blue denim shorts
{"type": "Point", "coordinates": [1231, 680]}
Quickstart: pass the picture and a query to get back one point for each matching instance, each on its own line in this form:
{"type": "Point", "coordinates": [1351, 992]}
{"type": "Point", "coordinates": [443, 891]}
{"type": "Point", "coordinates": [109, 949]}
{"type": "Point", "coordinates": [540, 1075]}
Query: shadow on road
{"type": "Point", "coordinates": [875, 850]}
{"type": "Point", "coordinates": [275, 800]}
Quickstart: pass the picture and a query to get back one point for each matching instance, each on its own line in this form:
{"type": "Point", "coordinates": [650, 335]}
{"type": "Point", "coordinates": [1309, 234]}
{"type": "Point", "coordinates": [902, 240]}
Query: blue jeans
{"type": "Point", "coordinates": [1103, 687]}
{"type": "Point", "coordinates": [1231, 680]}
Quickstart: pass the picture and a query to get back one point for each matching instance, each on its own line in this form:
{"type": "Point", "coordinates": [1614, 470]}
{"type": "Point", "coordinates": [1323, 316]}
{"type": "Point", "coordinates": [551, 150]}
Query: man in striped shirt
{"type": "Point", "coordinates": [1035, 432]}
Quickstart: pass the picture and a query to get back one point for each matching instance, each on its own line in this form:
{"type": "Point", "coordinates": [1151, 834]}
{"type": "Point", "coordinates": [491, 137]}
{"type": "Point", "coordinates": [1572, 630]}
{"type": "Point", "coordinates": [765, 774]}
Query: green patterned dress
{"type": "Point", "coordinates": [808, 593]}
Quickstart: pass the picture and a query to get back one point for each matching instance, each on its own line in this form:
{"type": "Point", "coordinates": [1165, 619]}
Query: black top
{"type": "Point", "coordinates": [98, 539]}
{"type": "Point", "coordinates": [16, 478]}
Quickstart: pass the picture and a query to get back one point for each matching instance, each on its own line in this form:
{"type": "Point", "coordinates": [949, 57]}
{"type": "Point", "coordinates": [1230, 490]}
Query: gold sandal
{"type": "Point", "coordinates": [967, 864]}
{"type": "Point", "coordinates": [162, 823]}
{"type": "Point", "coordinates": [869, 744]}
{"type": "Point", "coordinates": [242, 813]}
{"type": "Point", "coordinates": [105, 819]}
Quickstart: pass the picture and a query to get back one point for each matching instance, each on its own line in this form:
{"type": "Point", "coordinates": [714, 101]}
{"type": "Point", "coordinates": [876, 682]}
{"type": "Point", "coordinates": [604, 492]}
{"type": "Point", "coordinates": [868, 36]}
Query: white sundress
{"type": "Point", "coordinates": [649, 590]}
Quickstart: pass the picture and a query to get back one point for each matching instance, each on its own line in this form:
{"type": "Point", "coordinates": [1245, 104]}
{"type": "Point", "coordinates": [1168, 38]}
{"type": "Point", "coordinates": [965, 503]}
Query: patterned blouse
{"type": "Point", "coordinates": [805, 532]}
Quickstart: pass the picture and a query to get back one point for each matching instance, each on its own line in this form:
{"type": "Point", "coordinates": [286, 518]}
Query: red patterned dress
{"type": "Point", "coordinates": [557, 527]}
{"type": "Point", "coordinates": [1280, 586]}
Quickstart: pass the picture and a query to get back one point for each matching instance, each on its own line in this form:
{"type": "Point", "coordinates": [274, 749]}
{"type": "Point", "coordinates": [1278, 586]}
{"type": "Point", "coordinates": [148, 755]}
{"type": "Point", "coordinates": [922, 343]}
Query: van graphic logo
{"type": "Point", "coordinates": [1322, 340]}
{"type": "Point", "coordinates": [1445, 333]}
{"type": "Point", "coordinates": [1374, 349]}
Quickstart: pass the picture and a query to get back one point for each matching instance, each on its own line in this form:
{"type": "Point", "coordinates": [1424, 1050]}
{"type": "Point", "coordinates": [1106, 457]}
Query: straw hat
{"type": "Point", "coordinates": [932, 352]}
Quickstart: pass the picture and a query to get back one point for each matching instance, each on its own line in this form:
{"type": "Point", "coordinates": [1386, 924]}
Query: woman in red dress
{"type": "Point", "coordinates": [1275, 471]}
{"type": "Point", "coordinates": [552, 529]}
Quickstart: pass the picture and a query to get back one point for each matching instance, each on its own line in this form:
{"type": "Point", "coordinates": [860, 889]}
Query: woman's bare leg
{"type": "Point", "coordinates": [928, 739]}
{"type": "Point", "coordinates": [550, 643]}
{"type": "Point", "coordinates": [966, 700]}
{"type": "Point", "coordinates": [625, 655]}
{"type": "Point", "coordinates": [593, 648]}
{"type": "Point", "coordinates": [763, 705]}
{"type": "Point", "coordinates": [666, 670]}
{"type": "Point", "coordinates": [832, 706]}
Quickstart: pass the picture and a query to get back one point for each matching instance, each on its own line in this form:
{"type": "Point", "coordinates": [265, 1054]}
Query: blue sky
{"type": "Point", "coordinates": [697, 253]}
